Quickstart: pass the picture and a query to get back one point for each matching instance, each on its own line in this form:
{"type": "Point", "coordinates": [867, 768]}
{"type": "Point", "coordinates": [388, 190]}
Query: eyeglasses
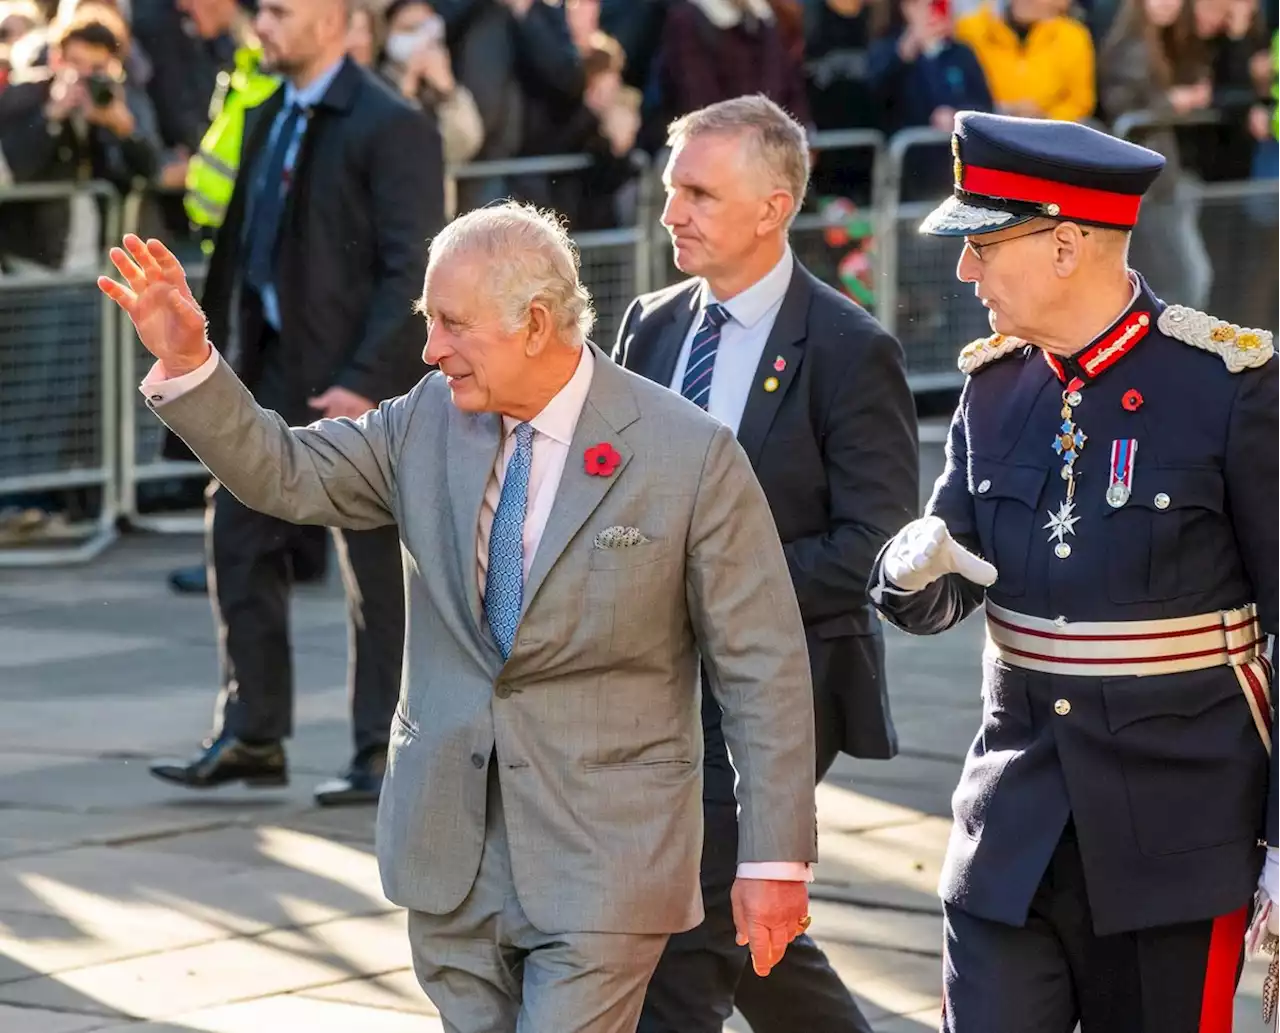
{"type": "Point", "coordinates": [978, 249]}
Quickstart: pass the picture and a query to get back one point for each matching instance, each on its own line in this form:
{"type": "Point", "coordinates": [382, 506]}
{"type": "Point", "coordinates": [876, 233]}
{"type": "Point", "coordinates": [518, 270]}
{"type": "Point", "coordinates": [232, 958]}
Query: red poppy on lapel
{"type": "Point", "coordinates": [1132, 400]}
{"type": "Point", "coordinates": [601, 460]}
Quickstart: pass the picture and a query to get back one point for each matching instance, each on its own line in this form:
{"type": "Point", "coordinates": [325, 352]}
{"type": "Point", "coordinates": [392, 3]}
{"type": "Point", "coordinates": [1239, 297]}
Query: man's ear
{"type": "Point", "coordinates": [779, 206]}
{"type": "Point", "coordinates": [1068, 248]}
{"type": "Point", "coordinates": [541, 328]}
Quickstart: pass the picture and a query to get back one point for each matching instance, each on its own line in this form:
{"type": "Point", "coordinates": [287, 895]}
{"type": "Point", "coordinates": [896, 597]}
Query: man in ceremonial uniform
{"type": "Point", "coordinates": [1110, 496]}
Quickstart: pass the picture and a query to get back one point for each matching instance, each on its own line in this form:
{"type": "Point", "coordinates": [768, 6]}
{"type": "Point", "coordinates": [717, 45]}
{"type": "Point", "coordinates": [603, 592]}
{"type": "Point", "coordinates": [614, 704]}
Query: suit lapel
{"type": "Point", "coordinates": [609, 409]}
{"type": "Point", "coordinates": [785, 349]}
{"type": "Point", "coordinates": [660, 363]}
{"type": "Point", "coordinates": [474, 440]}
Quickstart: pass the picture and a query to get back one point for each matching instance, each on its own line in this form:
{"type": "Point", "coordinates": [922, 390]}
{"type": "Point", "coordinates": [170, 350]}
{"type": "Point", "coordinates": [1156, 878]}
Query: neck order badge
{"type": "Point", "coordinates": [1076, 373]}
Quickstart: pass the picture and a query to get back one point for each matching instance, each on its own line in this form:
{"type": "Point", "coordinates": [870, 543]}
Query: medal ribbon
{"type": "Point", "coordinates": [1122, 453]}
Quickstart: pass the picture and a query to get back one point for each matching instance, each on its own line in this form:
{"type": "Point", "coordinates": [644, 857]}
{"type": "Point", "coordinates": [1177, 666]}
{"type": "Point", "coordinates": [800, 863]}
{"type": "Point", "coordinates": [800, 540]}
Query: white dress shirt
{"type": "Point", "coordinates": [553, 430]}
{"type": "Point", "coordinates": [552, 435]}
{"type": "Point", "coordinates": [742, 341]}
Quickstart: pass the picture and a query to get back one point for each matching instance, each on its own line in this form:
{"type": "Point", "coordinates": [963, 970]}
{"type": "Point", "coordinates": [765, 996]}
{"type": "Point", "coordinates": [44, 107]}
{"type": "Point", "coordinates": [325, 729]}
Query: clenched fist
{"type": "Point", "coordinates": [924, 551]}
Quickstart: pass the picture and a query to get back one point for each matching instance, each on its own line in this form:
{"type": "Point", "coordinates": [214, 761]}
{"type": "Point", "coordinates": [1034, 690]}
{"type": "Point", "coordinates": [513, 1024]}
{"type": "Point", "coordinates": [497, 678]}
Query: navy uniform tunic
{"type": "Point", "coordinates": [1165, 778]}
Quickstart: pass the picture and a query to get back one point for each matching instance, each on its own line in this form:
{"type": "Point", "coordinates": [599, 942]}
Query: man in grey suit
{"type": "Point", "coordinates": [576, 539]}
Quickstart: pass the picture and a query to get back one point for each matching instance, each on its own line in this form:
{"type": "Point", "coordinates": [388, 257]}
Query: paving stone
{"type": "Point", "coordinates": [37, 1020]}
{"type": "Point", "coordinates": [27, 647]}
{"type": "Point", "coordinates": [174, 982]}
{"type": "Point", "coordinates": [289, 1014]}
{"type": "Point", "coordinates": [896, 866]}
{"type": "Point", "coordinates": [926, 1021]}
{"type": "Point", "coordinates": [46, 829]}
{"type": "Point", "coordinates": [397, 990]}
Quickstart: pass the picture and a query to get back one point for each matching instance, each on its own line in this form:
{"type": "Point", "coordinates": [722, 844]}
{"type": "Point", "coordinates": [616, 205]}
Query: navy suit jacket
{"type": "Point", "coordinates": [834, 447]}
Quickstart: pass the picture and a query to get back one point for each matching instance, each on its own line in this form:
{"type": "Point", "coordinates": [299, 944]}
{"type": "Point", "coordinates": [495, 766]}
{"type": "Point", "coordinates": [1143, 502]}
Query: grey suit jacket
{"type": "Point", "coordinates": [594, 718]}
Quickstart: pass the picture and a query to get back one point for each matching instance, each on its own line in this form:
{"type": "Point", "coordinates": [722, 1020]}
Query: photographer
{"type": "Point", "coordinates": [72, 122]}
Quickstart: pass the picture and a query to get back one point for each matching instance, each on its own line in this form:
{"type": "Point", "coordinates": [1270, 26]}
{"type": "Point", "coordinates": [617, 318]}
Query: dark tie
{"type": "Point", "coordinates": [268, 205]}
{"type": "Point", "coordinates": [702, 356]}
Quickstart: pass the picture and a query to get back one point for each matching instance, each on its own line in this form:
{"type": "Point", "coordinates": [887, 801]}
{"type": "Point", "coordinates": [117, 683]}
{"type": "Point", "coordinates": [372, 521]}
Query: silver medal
{"type": "Point", "coordinates": [1118, 495]}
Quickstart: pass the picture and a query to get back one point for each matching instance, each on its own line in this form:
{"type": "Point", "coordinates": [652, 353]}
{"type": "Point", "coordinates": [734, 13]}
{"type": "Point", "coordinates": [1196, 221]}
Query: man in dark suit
{"type": "Point", "coordinates": [816, 392]}
{"type": "Point", "coordinates": [312, 282]}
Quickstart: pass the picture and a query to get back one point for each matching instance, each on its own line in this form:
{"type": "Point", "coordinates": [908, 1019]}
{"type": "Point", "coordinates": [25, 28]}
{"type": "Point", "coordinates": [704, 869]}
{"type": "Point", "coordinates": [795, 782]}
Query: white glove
{"type": "Point", "coordinates": [924, 551]}
{"type": "Point", "coordinates": [1267, 917]}
{"type": "Point", "coordinates": [1260, 939]}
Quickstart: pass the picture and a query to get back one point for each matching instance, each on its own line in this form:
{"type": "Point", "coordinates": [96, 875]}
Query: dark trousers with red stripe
{"type": "Point", "coordinates": [1054, 972]}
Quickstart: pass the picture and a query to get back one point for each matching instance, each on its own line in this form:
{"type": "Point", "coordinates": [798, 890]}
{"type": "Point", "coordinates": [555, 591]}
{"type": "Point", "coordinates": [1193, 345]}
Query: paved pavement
{"type": "Point", "coordinates": [129, 907]}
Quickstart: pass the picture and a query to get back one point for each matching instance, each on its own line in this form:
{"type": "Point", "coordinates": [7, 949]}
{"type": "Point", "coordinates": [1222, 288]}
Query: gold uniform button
{"type": "Point", "coordinates": [1062, 707]}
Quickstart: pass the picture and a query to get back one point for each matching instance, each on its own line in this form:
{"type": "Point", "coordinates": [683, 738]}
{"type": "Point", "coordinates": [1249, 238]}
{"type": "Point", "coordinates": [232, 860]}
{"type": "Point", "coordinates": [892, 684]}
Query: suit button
{"type": "Point", "coordinates": [502, 691]}
{"type": "Point", "coordinates": [1062, 707]}
{"type": "Point", "coordinates": [477, 760]}
{"type": "Point", "coordinates": [984, 487]}
{"type": "Point", "coordinates": [1162, 501]}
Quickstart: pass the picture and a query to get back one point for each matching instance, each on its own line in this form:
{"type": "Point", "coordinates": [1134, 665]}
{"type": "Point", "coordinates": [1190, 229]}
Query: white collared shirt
{"type": "Point", "coordinates": [742, 341]}
{"type": "Point", "coordinates": [552, 434]}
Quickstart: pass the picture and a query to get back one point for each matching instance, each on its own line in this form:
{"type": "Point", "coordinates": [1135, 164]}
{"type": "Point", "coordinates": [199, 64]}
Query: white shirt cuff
{"type": "Point", "coordinates": [778, 871]}
{"type": "Point", "coordinates": [158, 390]}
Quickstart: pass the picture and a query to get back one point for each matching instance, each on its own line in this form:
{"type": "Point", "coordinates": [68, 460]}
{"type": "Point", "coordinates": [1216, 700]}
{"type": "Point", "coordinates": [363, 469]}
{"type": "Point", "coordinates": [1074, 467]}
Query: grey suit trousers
{"type": "Point", "coordinates": [488, 970]}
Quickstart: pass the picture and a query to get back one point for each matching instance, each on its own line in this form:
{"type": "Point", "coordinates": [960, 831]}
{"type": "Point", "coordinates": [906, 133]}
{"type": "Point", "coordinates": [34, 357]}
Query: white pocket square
{"type": "Point", "coordinates": [620, 537]}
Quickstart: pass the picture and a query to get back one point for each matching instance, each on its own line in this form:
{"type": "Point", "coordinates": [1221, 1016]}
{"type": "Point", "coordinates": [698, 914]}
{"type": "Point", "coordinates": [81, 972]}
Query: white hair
{"type": "Point", "coordinates": [778, 143]}
{"type": "Point", "coordinates": [528, 257]}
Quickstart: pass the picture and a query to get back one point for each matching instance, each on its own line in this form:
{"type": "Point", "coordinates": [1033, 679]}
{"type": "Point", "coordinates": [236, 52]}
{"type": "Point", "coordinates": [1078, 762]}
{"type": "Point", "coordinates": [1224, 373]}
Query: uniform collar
{"type": "Point", "coordinates": [1113, 344]}
{"type": "Point", "coordinates": [752, 305]}
{"type": "Point", "coordinates": [559, 417]}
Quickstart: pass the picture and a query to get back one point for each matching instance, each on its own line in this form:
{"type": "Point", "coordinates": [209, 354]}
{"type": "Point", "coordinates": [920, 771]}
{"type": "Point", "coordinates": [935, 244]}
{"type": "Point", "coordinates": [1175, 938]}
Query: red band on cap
{"type": "Point", "coordinates": [1073, 202]}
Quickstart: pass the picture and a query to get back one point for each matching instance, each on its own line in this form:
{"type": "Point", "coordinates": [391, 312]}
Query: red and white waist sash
{"type": "Point", "coordinates": [1109, 649]}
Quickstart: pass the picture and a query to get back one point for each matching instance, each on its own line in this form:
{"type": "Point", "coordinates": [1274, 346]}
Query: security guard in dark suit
{"type": "Point", "coordinates": [1111, 482]}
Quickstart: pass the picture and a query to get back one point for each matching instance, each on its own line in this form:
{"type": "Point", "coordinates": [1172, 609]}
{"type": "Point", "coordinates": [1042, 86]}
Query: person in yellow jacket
{"type": "Point", "coordinates": [211, 174]}
{"type": "Point", "coordinates": [1039, 62]}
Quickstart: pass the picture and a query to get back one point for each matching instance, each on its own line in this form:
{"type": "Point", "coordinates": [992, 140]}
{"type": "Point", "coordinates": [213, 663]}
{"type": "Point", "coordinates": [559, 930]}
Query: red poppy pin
{"type": "Point", "coordinates": [601, 460]}
{"type": "Point", "coordinates": [1132, 400]}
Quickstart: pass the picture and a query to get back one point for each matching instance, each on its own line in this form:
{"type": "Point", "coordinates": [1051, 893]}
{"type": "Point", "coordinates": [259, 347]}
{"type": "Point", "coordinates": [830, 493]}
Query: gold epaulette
{"type": "Point", "coordinates": [985, 350]}
{"type": "Point", "coordinates": [1240, 347]}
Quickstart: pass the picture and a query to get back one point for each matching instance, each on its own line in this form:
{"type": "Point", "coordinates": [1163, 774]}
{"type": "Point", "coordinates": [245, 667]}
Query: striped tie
{"type": "Point", "coordinates": [702, 356]}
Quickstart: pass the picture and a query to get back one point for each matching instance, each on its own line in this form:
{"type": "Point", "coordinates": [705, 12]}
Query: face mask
{"type": "Point", "coordinates": [401, 46]}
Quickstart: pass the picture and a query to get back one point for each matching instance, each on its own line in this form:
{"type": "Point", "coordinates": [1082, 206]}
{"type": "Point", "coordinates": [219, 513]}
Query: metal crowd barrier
{"type": "Point", "coordinates": [58, 376]}
{"type": "Point", "coordinates": [62, 426]}
{"type": "Point", "coordinates": [921, 301]}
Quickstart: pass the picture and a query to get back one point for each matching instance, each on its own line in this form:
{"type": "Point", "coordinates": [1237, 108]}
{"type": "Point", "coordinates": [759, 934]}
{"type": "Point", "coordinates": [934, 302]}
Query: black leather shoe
{"type": "Point", "coordinates": [192, 580]}
{"type": "Point", "coordinates": [227, 759]}
{"type": "Point", "coordinates": [361, 784]}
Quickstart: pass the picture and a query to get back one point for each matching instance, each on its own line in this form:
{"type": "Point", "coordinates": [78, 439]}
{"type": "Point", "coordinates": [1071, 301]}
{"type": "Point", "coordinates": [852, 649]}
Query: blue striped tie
{"type": "Point", "coordinates": [504, 578]}
{"type": "Point", "coordinates": [702, 356]}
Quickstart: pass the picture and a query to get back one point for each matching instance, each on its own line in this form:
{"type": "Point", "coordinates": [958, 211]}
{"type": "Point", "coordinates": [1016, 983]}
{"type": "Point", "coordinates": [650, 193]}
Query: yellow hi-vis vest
{"type": "Point", "coordinates": [211, 174]}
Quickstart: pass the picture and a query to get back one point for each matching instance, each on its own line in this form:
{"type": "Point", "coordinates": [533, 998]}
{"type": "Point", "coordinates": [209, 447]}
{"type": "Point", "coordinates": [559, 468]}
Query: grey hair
{"type": "Point", "coordinates": [528, 257]}
{"type": "Point", "coordinates": [778, 141]}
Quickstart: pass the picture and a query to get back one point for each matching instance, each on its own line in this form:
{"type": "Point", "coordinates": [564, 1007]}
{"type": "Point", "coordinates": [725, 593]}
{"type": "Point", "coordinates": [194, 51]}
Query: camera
{"type": "Point", "coordinates": [102, 89]}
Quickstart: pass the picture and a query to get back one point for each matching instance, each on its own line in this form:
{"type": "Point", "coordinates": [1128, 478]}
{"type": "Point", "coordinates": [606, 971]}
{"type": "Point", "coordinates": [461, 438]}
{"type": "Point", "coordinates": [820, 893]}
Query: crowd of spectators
{"type": "Point", "coordinates": [122, 91]}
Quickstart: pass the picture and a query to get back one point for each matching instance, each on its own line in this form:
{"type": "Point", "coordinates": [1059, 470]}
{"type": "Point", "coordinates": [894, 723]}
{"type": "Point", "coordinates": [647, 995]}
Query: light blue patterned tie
{"type": "Point", "coordinates": [702, 356]}
{"type": "Point", "coordinates": [504, 579]}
